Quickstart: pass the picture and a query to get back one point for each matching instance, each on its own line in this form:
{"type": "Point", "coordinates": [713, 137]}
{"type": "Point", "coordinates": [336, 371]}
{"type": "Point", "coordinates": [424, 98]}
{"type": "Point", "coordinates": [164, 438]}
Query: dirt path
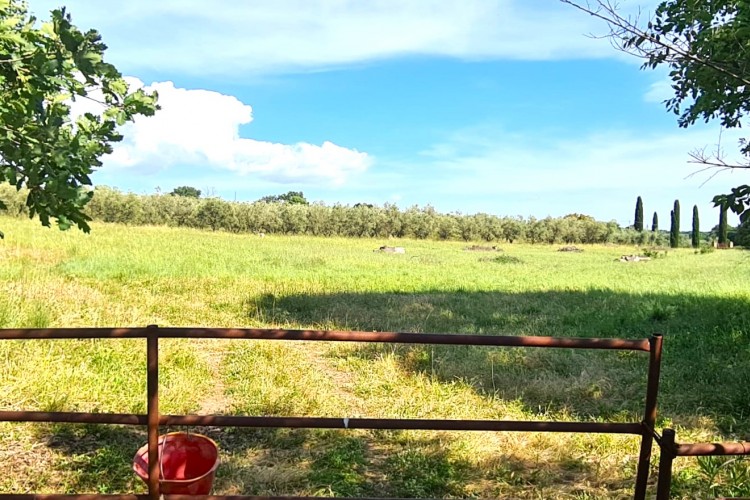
{"type": "Point", "coordinates": [319, 356]}
{"type": "Point", "coordinates": [213, 351]}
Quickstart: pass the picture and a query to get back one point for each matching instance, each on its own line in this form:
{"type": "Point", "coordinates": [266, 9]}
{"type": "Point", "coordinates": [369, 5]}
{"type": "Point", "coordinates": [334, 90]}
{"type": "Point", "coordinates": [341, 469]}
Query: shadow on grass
{"type": "Point", "coordinates": [94, 458]}
{"type": "Point", "coordinates": [705, 374]}
{"type": "Point", "coordinates": [704, 371]}
{"type": "Point", "coordinates": [339, 463]}
{"type": "Point", "coordinates": [380, 464]}
{"type": "Point", "coordinates": [405, 464]}
{"type": "Point", "coordinates": [98, 458]}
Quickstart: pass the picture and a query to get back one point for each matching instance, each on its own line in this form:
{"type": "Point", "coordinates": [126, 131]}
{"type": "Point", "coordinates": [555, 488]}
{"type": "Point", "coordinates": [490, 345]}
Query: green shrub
{"type": "Point", "coordinates": [503, 259]}
{"type": "Point", "coordinates": [655, 252]}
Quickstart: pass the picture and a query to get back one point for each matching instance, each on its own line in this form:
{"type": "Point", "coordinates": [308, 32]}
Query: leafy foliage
{"type": "Point", "coordinates": [292, 197]}
{"type": "Point", "coordinates": [704, 44]}
{"type": "Point", "coordinates": [655, 223]}
{"type": "Point", "coordinates": [742, 235]}
{"type": "Point", "coordinates": [43, 67]}
{"type": "Point", "coordinates": [728, 476]}
{"type": "Point", "coordinates": [318, 219]}
{"type": "Point", "coordinates": [187, 191]}
{"type": "Point", "coordinates": [738, 201]}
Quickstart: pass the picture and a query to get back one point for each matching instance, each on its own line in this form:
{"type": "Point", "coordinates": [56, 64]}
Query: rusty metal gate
{"type": "Point", "coordinates": [153, 419]}
{"type": "Point", "coordinates": [671, 450]}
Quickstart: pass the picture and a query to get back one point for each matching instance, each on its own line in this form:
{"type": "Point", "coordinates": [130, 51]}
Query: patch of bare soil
{"type": "Point", "coordinates": [633, 258]}
{"type": "Point", "coordinates": [213, 351]}
{"type": "Point", "coordinates": [25, 463]}
{"type": "Point", "coordinates": [481, 248]}
{"type": "Point", "coordinates": [342, 380]}
{"type": "Point", "coordinates": [570, 248]}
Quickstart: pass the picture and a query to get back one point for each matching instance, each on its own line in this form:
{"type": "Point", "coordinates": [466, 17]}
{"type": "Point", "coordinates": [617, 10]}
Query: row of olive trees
{"type": "Point", "coordinates": [361, 220]}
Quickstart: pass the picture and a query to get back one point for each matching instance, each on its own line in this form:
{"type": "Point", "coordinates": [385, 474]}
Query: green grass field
{"type": "Point", "coordinates": [128, 276]}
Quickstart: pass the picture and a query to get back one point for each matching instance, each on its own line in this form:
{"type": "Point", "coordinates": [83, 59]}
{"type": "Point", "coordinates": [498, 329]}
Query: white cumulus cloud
{"type": "Point", "coordinates": [200, 128]}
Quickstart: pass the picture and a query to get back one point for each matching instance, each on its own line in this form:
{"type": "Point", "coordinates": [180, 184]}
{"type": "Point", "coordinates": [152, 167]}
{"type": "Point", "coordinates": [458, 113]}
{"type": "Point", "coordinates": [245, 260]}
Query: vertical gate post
{"type": "Point", "coordinates": [664, 483]}
{"type": "Point", "coordinates": [649, 418]}
{"type": "Point", "coordinates": [152, 390]}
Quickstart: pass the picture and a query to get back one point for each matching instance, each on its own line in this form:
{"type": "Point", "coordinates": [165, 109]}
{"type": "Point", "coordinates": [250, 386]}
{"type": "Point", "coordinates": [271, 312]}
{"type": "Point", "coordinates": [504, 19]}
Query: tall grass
{"type": "Point", "coordinates": [120, 276]}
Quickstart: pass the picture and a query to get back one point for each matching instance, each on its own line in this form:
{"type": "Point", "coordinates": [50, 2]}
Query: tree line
{"type": "Point", "coordinates": [360, 220]}
{"type": "Point", "coordinates": [720, 232]}
{"type": "Point", "coordinates": [703, 45]}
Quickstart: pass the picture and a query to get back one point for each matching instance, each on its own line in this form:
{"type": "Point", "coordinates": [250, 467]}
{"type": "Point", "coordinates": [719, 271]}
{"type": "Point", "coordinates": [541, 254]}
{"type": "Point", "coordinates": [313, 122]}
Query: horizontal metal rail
{"type": "Point", "coordinates": [153, 419]}
{"type": "Point", "coordinates": [31, 496]}
{"type": "Point", "coordinates": [325, 423]}
{"type": "Point", "coordinates": [712, 449]}
{"type": "Point", "coordinates": [671, 450]}
{"type": "Point", "coordinates": [330, 336]}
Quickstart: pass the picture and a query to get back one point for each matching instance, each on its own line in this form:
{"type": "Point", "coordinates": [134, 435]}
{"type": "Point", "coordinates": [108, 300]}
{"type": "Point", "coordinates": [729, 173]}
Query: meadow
{"type": "Point", "coordinates": [134, 276]}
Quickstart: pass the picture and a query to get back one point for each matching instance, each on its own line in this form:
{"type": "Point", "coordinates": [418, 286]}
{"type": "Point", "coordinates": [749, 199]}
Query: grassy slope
{"type": "Point", "coordinates": [135, 276]}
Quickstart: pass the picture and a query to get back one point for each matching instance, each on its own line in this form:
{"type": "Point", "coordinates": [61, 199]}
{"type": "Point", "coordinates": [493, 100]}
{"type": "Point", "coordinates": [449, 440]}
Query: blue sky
{"type": "Point", "coordinates": [498, 106]}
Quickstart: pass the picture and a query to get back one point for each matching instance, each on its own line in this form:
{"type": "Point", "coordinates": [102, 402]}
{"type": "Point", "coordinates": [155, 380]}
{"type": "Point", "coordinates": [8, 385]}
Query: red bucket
{"type": "Point", "coordinates": [187, 463]}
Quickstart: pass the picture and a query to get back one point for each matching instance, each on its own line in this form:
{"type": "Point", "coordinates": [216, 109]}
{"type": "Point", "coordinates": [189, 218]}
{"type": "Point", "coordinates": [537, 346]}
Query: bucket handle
{"type": "Point", "coordinates": [161, 453]}
{"type": "Point", "coordinates": [161, 457]}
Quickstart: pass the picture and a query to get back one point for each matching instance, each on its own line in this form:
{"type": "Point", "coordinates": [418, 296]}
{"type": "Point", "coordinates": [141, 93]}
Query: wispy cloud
{"type": "Point", "coordinates": [199, 129]}
{"type": "Point", "coordinates": [497, 171]}
{"type": "Point", "coordinates": [659, 91]}
{"type": "Point", "coordinates": [230, 37]}
{"type": "Point", "coordinates": [503, 162]}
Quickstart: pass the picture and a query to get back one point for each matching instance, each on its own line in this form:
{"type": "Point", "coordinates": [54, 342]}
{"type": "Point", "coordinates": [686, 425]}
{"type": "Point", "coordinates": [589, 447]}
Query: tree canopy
{"type": "Point", "coordinates": [704, 44]}
{"type": "Point", "coordinates": [44, 67]}
{"type": "Point", "coordinates": [291, 197]}
{"type": "Point", "coordinates": [187, 191]}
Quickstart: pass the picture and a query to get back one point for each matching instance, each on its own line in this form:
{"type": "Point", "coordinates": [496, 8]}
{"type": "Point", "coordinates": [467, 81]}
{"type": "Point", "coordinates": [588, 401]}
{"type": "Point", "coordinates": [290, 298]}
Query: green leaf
{"type": "Point", "coordinates": [119, 86]}
{"type": "Point", "coordinates": [48, 59]}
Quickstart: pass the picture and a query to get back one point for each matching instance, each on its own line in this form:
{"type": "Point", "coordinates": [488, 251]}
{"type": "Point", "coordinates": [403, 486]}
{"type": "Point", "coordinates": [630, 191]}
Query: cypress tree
{"type": "Point", "coordinates": [673, 242]}
{"type": "Point", "coordinates": [655, 223]}
{"type": "Point", "coordinates": [723, 229]}
{"type": "Point", "coordinates": [674, 233]}
{"type": "Point", "coordinates": [638, 224]}
{"type": "Point", "coordinates": [696, 234]}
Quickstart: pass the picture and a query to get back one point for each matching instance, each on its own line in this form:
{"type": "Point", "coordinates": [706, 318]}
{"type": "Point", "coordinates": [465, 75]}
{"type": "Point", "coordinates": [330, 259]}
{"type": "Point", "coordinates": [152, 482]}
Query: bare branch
{"type": "Point", "coordinates": [714, 174]}
{"type": "Point", "coordinates": [699, 158]}
{"type": "Point", "coordinates": [620, 26]}
{"type": "Point", "coordinates": [716, 159]}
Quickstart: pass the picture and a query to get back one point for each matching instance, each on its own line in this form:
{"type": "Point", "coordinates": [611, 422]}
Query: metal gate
{"type": "Point", "coordinates": [153, 419]}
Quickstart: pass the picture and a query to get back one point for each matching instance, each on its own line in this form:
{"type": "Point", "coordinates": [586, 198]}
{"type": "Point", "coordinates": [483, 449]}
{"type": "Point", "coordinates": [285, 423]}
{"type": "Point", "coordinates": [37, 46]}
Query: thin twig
{"type": "Point", "coordinates": [626, 26]}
